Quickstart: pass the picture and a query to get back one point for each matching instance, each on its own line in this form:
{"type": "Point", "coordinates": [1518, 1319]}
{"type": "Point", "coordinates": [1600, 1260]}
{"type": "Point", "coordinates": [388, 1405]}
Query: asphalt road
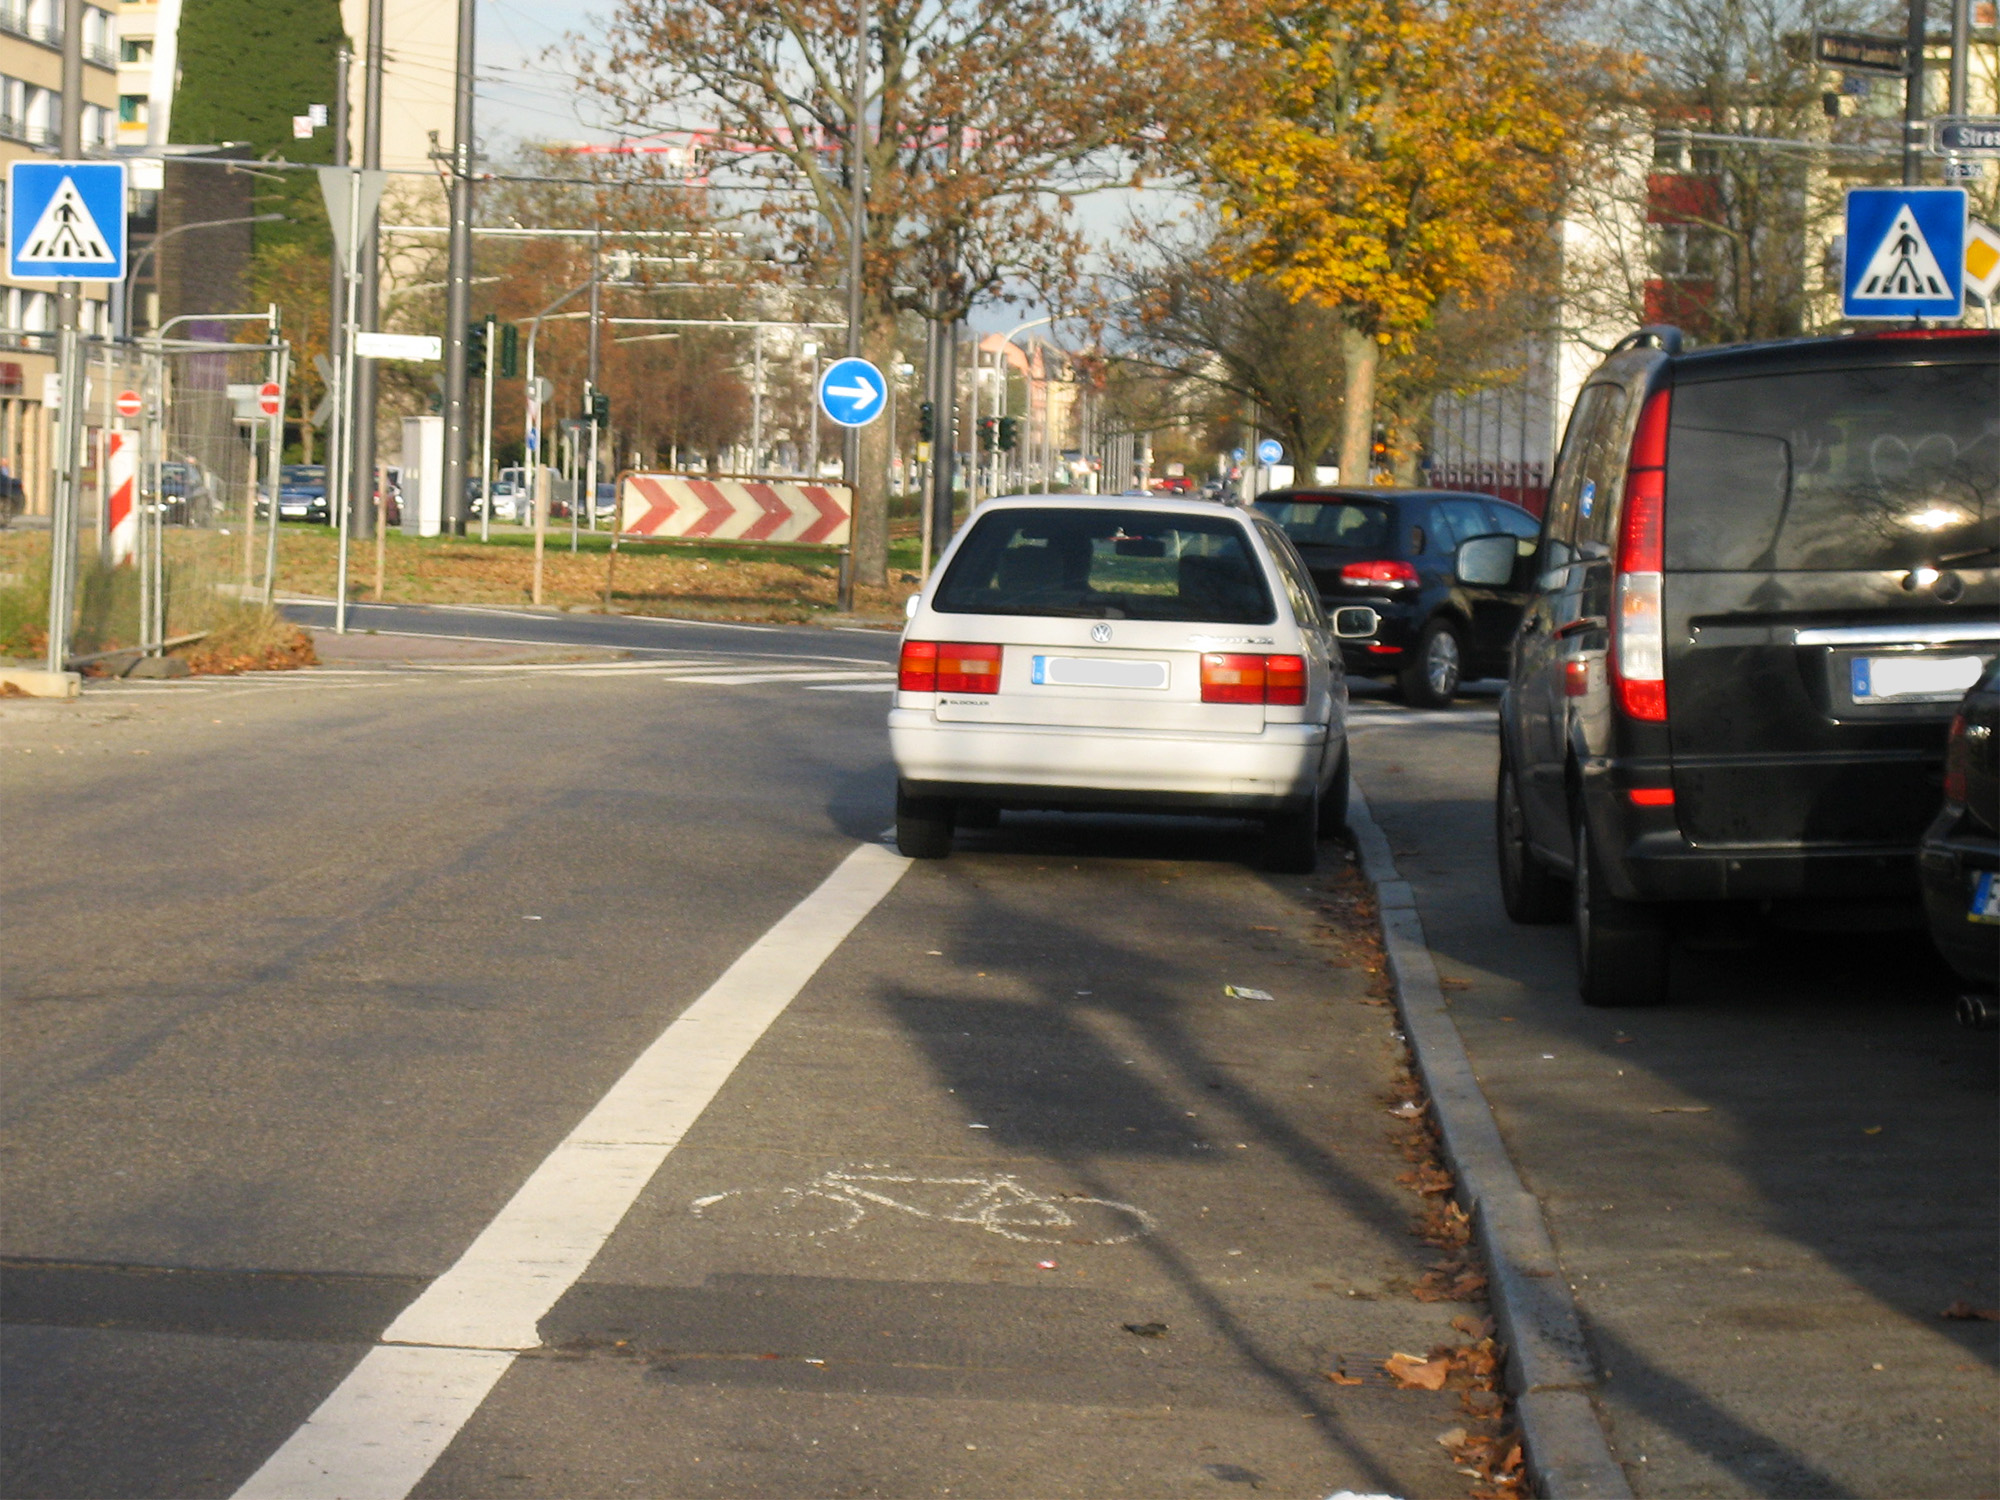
{"type": "Point", "coordinates": [308, 975]}
{"type": "Point", "coordinates": [1764, 1193]}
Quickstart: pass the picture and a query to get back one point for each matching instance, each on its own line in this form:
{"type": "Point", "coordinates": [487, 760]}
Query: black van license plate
{"type": "Point", "coordinates": [1985, 903]}
{"type": "Point", "coordinates": [1912, 679]}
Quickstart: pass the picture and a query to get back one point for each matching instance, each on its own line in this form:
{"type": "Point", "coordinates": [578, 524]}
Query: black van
{"type": "Point", "coordinates": [1766, 576]}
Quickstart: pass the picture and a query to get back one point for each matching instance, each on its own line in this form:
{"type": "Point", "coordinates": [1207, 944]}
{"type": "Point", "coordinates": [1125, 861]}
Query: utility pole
{"type": "Point", "coordinates": [64, 500]}
{"type": "Point", "coordinates": [944, 450]}
{"type": "Point", "coordinates": [458, 278]}
{"type": "Point", "coordinates": [1961, 45]}
{"type": "Point", "coordinates": [1914, 127]}
{"type": "Point", "coordinates": [486, 435]}
{"type": "Point", "coordinates": [367, 314]}
{"type": "Point", "coordinates": [857, 236]}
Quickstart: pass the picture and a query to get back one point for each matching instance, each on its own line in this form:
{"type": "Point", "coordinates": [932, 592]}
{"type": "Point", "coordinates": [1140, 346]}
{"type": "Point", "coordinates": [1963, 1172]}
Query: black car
{"type": "Point", "coordinates": [1766, 576]}
{"type": "Point", "coordinates": [302, 493]}
{"type": "Point", "coordinates": [1959, 861]}
{"type": "Point", "coordinates": [1396, 551]}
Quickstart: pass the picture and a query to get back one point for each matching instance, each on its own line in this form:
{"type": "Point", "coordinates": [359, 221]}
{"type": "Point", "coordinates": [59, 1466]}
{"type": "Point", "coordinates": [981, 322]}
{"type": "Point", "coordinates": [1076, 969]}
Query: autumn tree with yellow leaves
{"type": "Point", "coordinates": [1383, 158]}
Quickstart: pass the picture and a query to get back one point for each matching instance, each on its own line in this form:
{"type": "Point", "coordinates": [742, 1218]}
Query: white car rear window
{"type": "Point", "coordinates": [1107, 564]}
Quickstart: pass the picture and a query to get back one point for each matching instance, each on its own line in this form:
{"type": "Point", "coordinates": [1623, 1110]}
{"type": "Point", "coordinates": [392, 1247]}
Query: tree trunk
{"type": "Point", "coordinates": [871, 499]}
{"type": "Point", "coordinates": [1360, 355]}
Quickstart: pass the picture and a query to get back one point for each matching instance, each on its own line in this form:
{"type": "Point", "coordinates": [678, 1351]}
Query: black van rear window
{"type": "Point", "coordinates": [1895, 467]}
{"type": "Point", "coordinates": [1109, 564]}
{"type": "Point", "coordinates": [1359, 525]}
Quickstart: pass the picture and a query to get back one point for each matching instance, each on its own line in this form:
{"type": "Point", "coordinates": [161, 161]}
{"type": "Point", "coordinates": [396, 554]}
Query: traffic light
{"type": "Point", "coordinates": [926, 423]}
{"type": "Point", "coordinates": [989, 433]}
{"type": "Point", "coordinates": [599, 413]}
{"type": "Point", "coordinates": [1010, 433]}
{"type": "Point", "coordinates": [475, 351]}
{"type": "Point", "coordinates": [510, 350]}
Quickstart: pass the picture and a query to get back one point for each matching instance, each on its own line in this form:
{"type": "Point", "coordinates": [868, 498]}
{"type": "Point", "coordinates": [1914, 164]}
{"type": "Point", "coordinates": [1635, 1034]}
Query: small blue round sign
{"type": "Point", "coordinates": [853, 392]}
{"type": "Point", "coordinates": [1270, 451]}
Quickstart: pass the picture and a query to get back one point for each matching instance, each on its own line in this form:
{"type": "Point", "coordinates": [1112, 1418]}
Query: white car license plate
{"type": "Point", "coordinates": [1912, 679]}
{"type": "Point", "coordinates": [1098, 671]}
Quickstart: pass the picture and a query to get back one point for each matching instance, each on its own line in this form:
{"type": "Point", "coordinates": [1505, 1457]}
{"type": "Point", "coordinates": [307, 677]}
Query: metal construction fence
{"type": "Point", "coordinates": [174, 494]}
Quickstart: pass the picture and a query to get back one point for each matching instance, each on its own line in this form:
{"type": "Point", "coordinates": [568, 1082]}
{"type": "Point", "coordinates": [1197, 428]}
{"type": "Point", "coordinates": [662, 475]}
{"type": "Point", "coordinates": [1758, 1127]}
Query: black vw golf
{"type": "Point", "coordinates": [1397, 552]}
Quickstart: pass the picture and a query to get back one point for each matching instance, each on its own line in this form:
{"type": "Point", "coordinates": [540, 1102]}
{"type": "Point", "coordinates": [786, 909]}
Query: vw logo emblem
{"type": "Point", "coordinates": [1100, 633]}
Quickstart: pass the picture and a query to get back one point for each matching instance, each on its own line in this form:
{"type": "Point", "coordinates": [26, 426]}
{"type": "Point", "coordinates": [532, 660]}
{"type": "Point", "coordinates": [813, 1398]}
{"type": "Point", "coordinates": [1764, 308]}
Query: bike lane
{"type": "Point", "coordinates": [1014, 1199]}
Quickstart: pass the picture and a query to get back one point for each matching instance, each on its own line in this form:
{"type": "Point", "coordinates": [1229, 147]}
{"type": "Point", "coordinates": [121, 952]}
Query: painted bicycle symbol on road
{"type": "Point", "coordinates": [839, 1200]}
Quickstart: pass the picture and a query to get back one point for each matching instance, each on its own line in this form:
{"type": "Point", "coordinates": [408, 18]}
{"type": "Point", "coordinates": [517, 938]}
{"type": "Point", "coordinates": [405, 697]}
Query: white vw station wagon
{"type": "Point", "coordinates": [1125, 653]}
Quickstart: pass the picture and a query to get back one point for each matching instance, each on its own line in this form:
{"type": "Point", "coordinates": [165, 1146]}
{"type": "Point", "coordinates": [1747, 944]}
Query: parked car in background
{"type": "Point", "coordinates": [1959, 859]}
{"type": "Point", "coordinates": [1397, 552]}
{"type": "Point", "coordinates": [1147, 655]}
{"type": "Point", "coordinates": [302, 493]}
{"type": "Point", "coordinates": [1766, 577]}
{"type": "Point", "coordinates": [186, 495]}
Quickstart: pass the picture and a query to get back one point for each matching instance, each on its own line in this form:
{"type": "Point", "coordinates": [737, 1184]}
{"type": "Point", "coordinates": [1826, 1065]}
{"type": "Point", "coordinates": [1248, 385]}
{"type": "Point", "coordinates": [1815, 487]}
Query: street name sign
{"type": "Point", "coordinates": [1905, 255]}
{"type": "Point", "coordinates": [853, 392]}
{"type": "Point", "coordinates": [1270, 451]}
{"type": "Point", "coordinates": [1965, 135]}
{"type": "Point", "coordinates": [1859, 52]}
{"type": "Point", "coordinates": [66, 220]}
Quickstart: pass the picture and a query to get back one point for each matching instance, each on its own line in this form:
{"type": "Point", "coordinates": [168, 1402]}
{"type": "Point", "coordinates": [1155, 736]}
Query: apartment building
{"type": "Point", "coordinates": [31, 39]}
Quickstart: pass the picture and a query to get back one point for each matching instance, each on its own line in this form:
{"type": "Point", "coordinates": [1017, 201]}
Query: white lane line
{"type": "Point", "coordinates": [380, 1431]}
{"type": "Point", "coordinates": [852, 687]}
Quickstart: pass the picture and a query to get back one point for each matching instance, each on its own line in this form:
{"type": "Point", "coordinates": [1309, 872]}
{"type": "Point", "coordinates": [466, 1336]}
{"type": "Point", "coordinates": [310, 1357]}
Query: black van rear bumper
{"type": "Point", "coordinates": [1649, 859]}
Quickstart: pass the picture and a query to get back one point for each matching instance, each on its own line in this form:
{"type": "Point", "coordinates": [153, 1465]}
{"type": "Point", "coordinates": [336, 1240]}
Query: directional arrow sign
{"type": "Point", "coordinates": [1270, 451]}
{"type": "Point", "coordinates": [66, 220]}
{"type": "Point", "coordinates": [852, 392]}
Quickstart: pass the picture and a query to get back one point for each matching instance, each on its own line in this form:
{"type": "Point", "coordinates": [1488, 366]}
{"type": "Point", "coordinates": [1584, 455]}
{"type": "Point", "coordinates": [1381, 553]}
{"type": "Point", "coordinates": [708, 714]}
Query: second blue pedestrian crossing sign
{"type": "Point", "coordinates": [853, 392]}
{"type": "Point", "coordinates": [66, 220]}
{"type": "Point", "coordinates": [1905, 253]}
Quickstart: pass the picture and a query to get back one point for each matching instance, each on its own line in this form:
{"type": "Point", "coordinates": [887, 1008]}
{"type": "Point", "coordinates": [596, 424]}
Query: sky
{"type": "Point", "coordinates": [522, 96]}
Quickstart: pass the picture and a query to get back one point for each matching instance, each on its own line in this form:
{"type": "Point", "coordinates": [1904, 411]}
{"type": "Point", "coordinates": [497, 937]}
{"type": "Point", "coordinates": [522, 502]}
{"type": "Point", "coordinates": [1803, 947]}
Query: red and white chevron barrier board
{"type": "Point", "coordinates": [121, 516]}
{"type": "Point", "coordinates": [734, 510]}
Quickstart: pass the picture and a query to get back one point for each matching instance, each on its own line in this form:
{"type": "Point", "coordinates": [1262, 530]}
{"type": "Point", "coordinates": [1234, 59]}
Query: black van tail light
{"type": "Point", "coordinates": [1652, 796]}
{"type": "Point", "coordinates": [1639, 642]}
{"type": "Point", "coordinates": [1955, 754]}
{"type": "Point", "coordinates": [948, 667]}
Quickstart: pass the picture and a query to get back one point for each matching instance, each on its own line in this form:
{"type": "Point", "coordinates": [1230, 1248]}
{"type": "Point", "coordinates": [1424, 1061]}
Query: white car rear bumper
{"type": "Point", "coordinates": [1061, 766]}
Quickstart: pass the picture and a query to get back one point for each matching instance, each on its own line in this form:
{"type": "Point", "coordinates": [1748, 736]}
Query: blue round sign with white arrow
{"type": "Point", "coordinates": [853, 392]}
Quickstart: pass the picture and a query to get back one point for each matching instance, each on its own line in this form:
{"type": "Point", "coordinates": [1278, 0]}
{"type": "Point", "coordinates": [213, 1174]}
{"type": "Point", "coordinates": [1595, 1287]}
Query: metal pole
{"type": "Point", "coordinates": [757, 399]}
{"type": "Point", "coordinates": [486, 437]}
{"type": "Point", "coordinates": [589, 464]}
{"type": "Point", "coordinates": [1913, 97]}
{"type": "Point", "coordinates": [343, 450]}
{"type": "Point", "coordinates": [1961, 47]}
{"type": "Point", "coordinates": [458, 276]}
{"type": "Point", "coordinates": [280, 369]}
{"type": "Point", "coordinates": [857, 239]}
{"type": "Point", "coordinates": [71, 373]}
{"type": "Point", "coordinates": [945, 451]}
{"type": "Point", "coordinates": [812, 415]}
{"type": "Point", "coordinates": [368, 316]}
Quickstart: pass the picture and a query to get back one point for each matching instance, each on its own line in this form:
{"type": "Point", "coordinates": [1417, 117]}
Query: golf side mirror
{"type": "Point", "coordinates": [1355, 622]}
{"type": "Point", "coordinates": [1487, 561]}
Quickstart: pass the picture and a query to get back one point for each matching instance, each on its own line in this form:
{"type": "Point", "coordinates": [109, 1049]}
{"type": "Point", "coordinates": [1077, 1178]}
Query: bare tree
{"type": "Point", "coordinates": [985, 119]}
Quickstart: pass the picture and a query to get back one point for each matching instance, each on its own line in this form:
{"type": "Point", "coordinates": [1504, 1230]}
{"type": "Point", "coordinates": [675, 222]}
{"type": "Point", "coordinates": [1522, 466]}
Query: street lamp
{"type": "Point", "coordinates": [132, 275]}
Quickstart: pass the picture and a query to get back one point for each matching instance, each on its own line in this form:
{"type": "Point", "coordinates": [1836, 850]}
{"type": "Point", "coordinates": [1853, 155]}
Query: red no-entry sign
{"type": "Point", "coordinates": [128, 403]}
{"type": "Point", "coordinates": [269, 398]}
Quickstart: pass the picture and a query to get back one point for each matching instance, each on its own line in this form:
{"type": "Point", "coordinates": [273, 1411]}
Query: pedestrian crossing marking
{"type": "Point", "coordinates": [66, 232]}
{"type": "Point", "coordinates": [1902, 265]}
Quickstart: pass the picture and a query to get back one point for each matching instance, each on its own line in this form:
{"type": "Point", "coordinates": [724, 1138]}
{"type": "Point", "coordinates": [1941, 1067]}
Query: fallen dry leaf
{"type": "Point", "coordinates": [1453, 1439]}
{"type": "Point", "coordinates": [1473, 1328]}
{"type": "Point", "coordinates": [1415, 1374]}
{"type": "Point", "coordinates": [1341, 1377]}
{"type": "Point", "coordinates": [1963, 1311]}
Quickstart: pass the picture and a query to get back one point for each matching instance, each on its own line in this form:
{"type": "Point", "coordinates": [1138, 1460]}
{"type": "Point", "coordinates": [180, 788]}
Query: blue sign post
{"type": "Point", "coordinates": [853, 392]}
{"type": "Point", "coordinates": [1905, 253]}
{"type": "Point", "coordinates": [66, 220]}
{"type": "Point", "coordinates": [1270, 451]}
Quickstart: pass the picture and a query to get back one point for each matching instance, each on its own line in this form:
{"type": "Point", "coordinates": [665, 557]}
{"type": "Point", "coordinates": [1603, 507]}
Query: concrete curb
{"type": "Point", "coordinates": [37, 683]}
{"type": "Point", "coordinates": [1549, 1372]}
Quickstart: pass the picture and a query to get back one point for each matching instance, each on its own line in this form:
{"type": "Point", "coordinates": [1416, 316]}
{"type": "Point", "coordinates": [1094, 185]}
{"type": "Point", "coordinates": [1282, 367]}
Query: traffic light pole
{"type": "Point", "coordinates": [361, 486]}
{"type": "Point", "coordinates": [458, 278]}
{"type": "Point", "coordinates": [486, 439]}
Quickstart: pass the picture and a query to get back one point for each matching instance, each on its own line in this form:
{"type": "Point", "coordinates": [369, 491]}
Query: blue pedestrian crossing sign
{"type": "Point", "coordinates": [1270, 451]}
{"type": "Point", "coordinates": [852, 392]}
{"type": "Point", "coordinates": [1905, 253]}
{"type": "Point", "coordinates": [66, 220]}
